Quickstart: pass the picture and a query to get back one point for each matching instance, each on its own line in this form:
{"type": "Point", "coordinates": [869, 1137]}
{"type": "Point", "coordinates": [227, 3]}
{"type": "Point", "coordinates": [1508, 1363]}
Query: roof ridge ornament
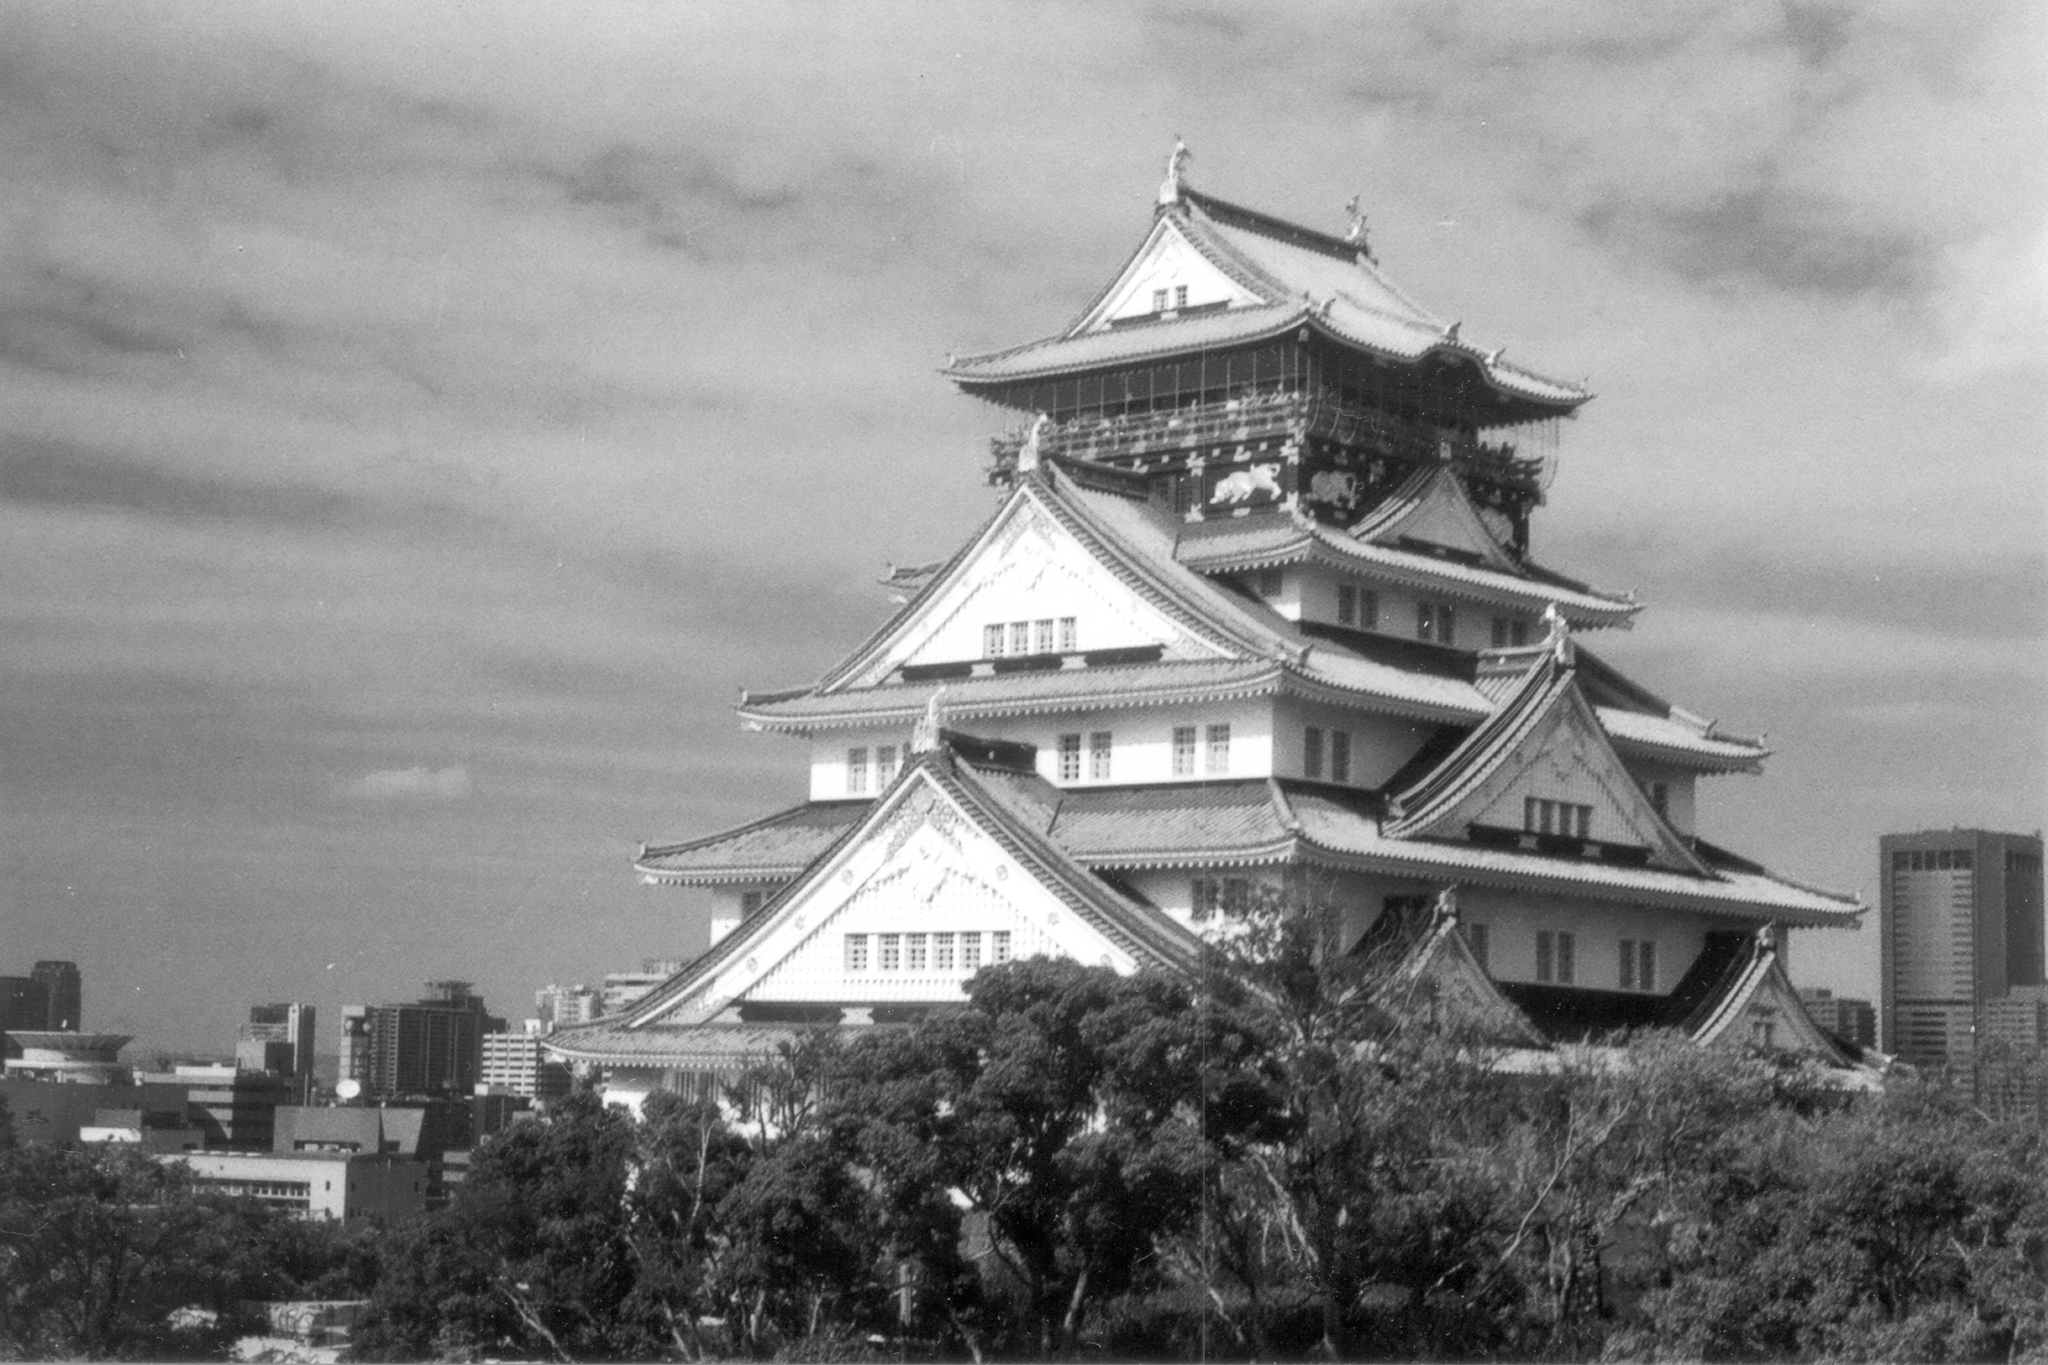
{"type": "Point", "coordinates": [1355, 234]}
{"type": "Point", "coordinates": [929, 732]}
{"type": "Point", "coordinates": [1559, 639]}
{"type": "Point", "coordinates": [1029, 452]}
{"type": "Point", "coordinates": [1176, 167]}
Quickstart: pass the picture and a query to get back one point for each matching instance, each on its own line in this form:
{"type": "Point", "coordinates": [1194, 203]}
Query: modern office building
{"type": "Point", "coordinates": [1255, 617]}
{"type": "Point", "coordinates": [622, 989]}
{"type": "Point", "coordinates": [1851, 1020]}
{"type": "Point", "coordinates": [563, 1006]}
{"type": "Point", "coordinates": [433, 1046]}
{"type": "Point", "coordinates": [515, 1062]}
{"type": "Point", "coordinates": [66, 1055]}
{"type": "Point", "coordinates": [338, 1186]}
{"type": "Point", "coordinates": [1960, 924]}
{"type": "Point", "coordinates": [63, 995]}
{"type": "Point", "coordinates": [278, 1038]}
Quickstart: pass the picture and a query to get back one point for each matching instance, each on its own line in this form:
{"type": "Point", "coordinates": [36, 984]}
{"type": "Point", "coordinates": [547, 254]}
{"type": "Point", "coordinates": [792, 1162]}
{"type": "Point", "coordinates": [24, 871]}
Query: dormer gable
{"type": "Point", "coordinates": [1541, 773]}
{"type": "Point", "coordinates": [1169, 276]}
{"type": "Point", "coordinates": [1432, 511]}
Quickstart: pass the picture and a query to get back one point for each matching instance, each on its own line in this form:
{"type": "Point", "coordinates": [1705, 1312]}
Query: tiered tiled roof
{"type": "Point", "coordinates": [1301, 279]}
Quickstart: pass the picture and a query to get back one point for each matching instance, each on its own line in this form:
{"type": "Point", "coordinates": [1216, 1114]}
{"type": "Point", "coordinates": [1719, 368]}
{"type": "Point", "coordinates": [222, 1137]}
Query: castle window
{"type": "Point", "coordinates": [1100, 745]}
{"type": "Point", "coordinates": [1508, 631]}
{"type": "Point", "coordinates": [890, 951]}
{"type": "Point", "coordinates": [1020, 637]}
{"type": "Point", "coordinates": [1555, 957]}
{"type": "Point", "coordinates": [1219, 749]}
{"type": "Point", "coordinates": [1542, 816]}
{"type": "Point", "coordinates": [999, 946]}
{"type": "Point", "coordinates": [970, 952]}
{"type": "Point", "coordinates": [1312, 751]}
{"type": "Point", "coordinates": [913, 952]}
{"type": "Point", "coordinates": [992, 641]}
{"type": "Point", "coordinates": [1638, 964]}
{"type": "Point", "coordinates": [1269, 582]}
{"type": "Point", "coordinates": [1183, 751]}
{"type": "Point", "coordinates": [1340, 755]}
{"type": "Point", "coordinates": [1180, 296]}
{"type": "Point", "coordinates": [1070, 758]}
{"type": "Point", "coordinates": [1042, 636]}
{"type": "Point", "coordinates": [942, 952]}
{"type": "Point", "coordinates": [856, 771]}
{"type": "Point", "coordinates": [1436, 621]}
{"type": "Point", "coordinates": [885, 765]}
{"type": "Point", "coordinates": [1069, 635]}
{"type": "Point", "coordinates": [1347, 605]}
{"type": "Point", "coordinates": [856, 952]}
{"type": "Point", "coordinates": [1159, 300]}
{"type": "Point", "coordinates": [1475, 940]}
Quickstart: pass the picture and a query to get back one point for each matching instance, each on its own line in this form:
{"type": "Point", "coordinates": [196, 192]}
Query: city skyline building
{"type": "Point", "coordinates": [278, 1037]}
{"type": "Point", "coordinates": [63, 995]}
{"type": "Point", "coordinates": [515, 1062]}
{"type": "Point", "coordinates": [1256, 617]}
{"type": "Point", "coordinates": [432, 1046]}
{"type": "Point", "coordinates": [1960, 927]}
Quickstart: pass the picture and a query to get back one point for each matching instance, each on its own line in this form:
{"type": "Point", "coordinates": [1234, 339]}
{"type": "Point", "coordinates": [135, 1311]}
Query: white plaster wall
{"type": "Point", "coordinates": [1172, 262]}
{"type": "Point", "coordinates": [1315, 589]}
{"type": "Point", "coordinates": [1513, 919]}
{"type": "Point", "coordinates": [1680, 781]}
{"type": "Point", "coordinates": [1379, 744]}
{"type": "Point", "coordinates": [1142, 752]}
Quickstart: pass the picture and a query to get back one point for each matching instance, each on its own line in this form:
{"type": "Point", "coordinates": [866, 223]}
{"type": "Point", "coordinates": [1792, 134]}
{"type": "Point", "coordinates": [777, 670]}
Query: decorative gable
{"type": "Point", "coordinates": [1760, 1008]}
{"type": "Point", "coordinates": [1168, 275]}
{"type": "Point", "coordinates": [921, 896]}
{"type": "Point", "coordinates": [1542, 766]}
{"type": "Point", "coordinates": [1436, 510]}
{"type": "Point", "coordinates": [1033, 579]}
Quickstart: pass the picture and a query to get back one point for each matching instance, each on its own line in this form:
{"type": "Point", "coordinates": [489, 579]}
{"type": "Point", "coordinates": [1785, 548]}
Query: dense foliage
{"type": "Point", "coordinates": [1261, 1166]}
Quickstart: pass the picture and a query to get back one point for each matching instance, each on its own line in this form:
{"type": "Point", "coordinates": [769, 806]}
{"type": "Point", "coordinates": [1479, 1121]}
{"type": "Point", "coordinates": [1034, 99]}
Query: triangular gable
{"type": "Point", "coordinates": [1760, 1008]}
{"type": "Point", "coordinates": [1167, 261]}
{"type": "Point", "coordinates": [1433, 507]}
{"type": "Point", "coordinates": [1439, 982]}
{"type": "Point", "coordinates": [1545, 742]}
{"type": "Point", "coordinates": [1028, 565]}
{"type": "Point", "coordinates": [940, 854]}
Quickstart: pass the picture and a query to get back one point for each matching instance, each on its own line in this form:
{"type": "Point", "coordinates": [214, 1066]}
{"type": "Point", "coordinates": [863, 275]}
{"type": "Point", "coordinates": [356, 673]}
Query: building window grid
{"type": "Point", "coordinates": [1020, 637]}
{"type": "Point", "coordinates": [942, 952]}
{"type": "Point", "coordinates": [885, 765]}
{"type": "Point", "coordinates": [1436, 621]}
{"type": "Point", "coordinates": [970, 952]}
{"type": "Point", "coordinates": [1556, 954]}
{"type": "Point", "coordinates": [856, 771]}
{"type": "Point", "coordinates": [913, 952]}
{"type": "Point", "coordinates": [856, 952]}
{"type": "Point", "coordinates": [1101, 745]}
{"type": "Point", "coordinates": [1070, 758]}
{"type": "Point", "coordinates": [889, 952]}
{"type": "Point", "coordinates": [999, 947]}
{"type": "Point", "coordinates": [1043, 635]}
{"type": "Point", "coordinates": [1541, 815]}
{"type": "Point", "coordinates": [1219, 749]}
{"type": "Point", "coordinates": [992, 641]}
{"type": "Point", "coordinates": [1184, 737]}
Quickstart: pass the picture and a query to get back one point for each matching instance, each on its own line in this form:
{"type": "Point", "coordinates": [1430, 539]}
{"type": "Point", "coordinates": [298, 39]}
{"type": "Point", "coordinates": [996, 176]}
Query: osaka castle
{"type": "Point", "coordinates": [1258, 612]}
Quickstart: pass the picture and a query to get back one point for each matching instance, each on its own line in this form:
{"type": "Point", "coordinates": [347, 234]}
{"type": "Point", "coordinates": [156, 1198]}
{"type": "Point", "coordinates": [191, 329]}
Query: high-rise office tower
{"type": "Point", "coordinates": [433, 1046]}
{"type": "Point", "coordinates": [1960, 928]}
{"type": "Point", "coordinates": [63, 995]}
{"type": "Point", "coordinates": [278, 1037]}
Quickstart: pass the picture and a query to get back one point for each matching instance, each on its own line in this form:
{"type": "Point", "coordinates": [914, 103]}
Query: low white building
{"type": "Point", "coordinates": [336, 1186]}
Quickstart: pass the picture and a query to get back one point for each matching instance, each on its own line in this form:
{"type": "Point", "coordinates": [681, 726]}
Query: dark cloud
{"type": "Point", "coordinates": [1766, 235]}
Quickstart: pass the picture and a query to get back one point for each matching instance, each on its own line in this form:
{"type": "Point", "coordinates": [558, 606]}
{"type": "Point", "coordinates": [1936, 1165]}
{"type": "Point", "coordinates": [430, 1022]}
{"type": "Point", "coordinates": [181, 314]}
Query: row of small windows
{"type": "Point", "coordinates": [1543, 816]}
{"type": "Point", "coordinates": [1436, 622]}
{"type": "Point", "coordinates": [1191, 742]}
{"type": "Point", "coordinates": [1101, 744]}
{"type": "Point", "coordinates": [1933, 860]}
{"type": "Point", "coordinates": [1047, 635]}
{"type": "Point", "coordinates": [1358, 607]}
{"type": "Point", "coordinates": [1509, 632]}
{"type": "Point", "coordinates": [1160, 297]}
{"type": "Point", "coordinates": [888, 761]}
{"type": "Point", "coordinates": [1211, 896]}
{"type": "Point", "coordinates": [926, 952]}
{"type": "Point", "coordinates": [1557, 957]}
{"type": "Point", "coordinates": [1313, 740]}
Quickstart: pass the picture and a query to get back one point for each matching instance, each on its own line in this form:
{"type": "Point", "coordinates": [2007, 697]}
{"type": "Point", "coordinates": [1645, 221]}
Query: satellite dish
{"type": "Point", "coordinates": [348, 1089]}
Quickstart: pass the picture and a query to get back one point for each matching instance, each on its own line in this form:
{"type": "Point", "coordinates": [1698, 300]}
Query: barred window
{"type": "Point", "coordinates": [1042, 636]}
{"type": "Point", "coordinates": [1100, 746]}
{"type": "Point", "coordinates": [1347, 604]}
{"type": "Point", "coordinates": [1638, 965]}
{"type": "Point", "coordinates": [1183, 751]}
{"type": "Point", "coordinates": [1020, 637]}
{"type": "Point", "coordinates": [890, 952]}
{"type": "Point", "coordinates": [913, 952]}
{"type": "Point", "coordinates": [856, 952]}
{"type": "Point", "coordinates": [1070, 634]}
{"type": "Point", "coordinates": [999, 946]}
{"type": "Point", "coordinates": [1340, 755]}
{"type": "Point", "coordinates": [856, 771]}
{"type": "Point", "coordinates": [1554, 957]}
{"type": "Point", "coordinates": [942, 952]}
{"type": "Point", "coordinates": [1219, 748]}
{"type": "Point", "coordinates": [1312, 751]}
{"type": "Point", "coordinates": [970, 952]}
{"type": "Point", "coordinates": [1070, 758]}
{"type": "Point", "coordinates": [992, 641]}
{"type": "Point", "coordinates": [885, 766]}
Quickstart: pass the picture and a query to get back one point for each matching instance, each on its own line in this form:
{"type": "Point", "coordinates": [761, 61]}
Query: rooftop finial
{"type": "Point", "coordinates": [925, 735]}
{"type": "Point", "coordinates": [1027, 454]}
{"type": "Point", "coordinates": [1559, 639]}
{"type": "Point", "coordinates": [1355, 234]}
{"type": "Point", "coordinates": [1176, 167]}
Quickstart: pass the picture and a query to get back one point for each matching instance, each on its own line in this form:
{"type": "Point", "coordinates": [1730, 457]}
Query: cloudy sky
{"type": "Point", "coordinates": [418, 422]}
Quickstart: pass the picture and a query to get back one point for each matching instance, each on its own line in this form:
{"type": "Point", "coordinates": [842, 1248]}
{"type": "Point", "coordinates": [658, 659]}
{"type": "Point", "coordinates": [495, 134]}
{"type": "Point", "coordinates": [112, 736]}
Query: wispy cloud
{"type": "Point", "coordinates": [411, 784]}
